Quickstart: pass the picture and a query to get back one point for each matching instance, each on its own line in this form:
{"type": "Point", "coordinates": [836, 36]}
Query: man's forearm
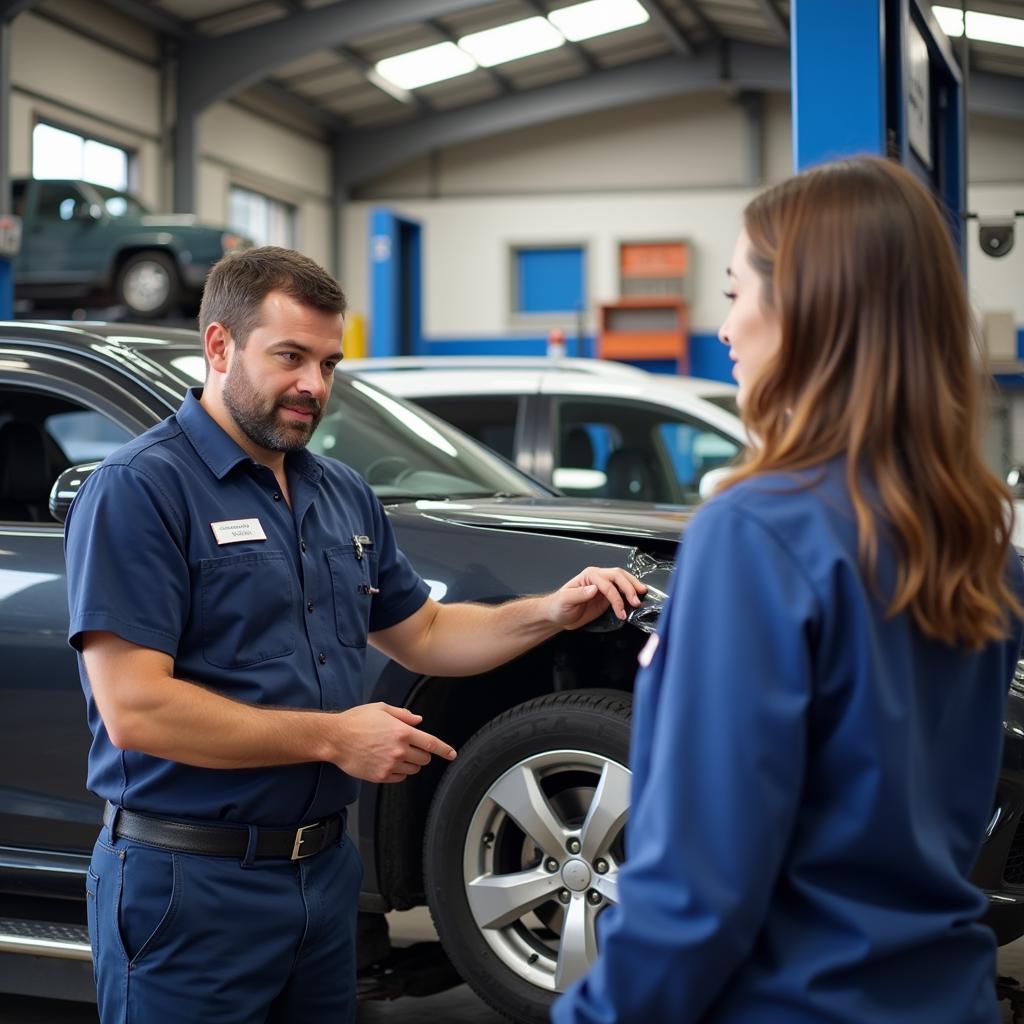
{"type": "Point", "coordinates": [180, 721]}
{"type": "Point", "coordinates": [467, 639]}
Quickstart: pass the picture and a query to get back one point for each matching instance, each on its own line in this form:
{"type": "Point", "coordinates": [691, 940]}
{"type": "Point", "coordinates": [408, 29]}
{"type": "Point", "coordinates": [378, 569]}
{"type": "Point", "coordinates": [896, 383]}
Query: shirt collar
{"type": "Point", "coordinates": [221, 452]}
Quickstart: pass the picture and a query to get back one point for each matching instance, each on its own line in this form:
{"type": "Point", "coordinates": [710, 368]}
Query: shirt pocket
{"type": "Point", "coordinates": [353, 581]}
{"type": "Point", "coordinates": [246, 608]}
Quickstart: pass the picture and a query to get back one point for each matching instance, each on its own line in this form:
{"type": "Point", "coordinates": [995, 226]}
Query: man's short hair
{"type": "Point", "coordinates": [240, 281]}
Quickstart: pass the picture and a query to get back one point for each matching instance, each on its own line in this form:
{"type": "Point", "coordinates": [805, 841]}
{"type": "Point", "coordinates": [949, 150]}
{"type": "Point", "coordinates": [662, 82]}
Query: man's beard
{"type": "Point", "coordinates": [257, 416]}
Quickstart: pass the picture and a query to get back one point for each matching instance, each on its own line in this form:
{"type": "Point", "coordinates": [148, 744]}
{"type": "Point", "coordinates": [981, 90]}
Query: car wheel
{"type": "Point", "coordinates": [523, 846]}
{"type": "Point", "coordinates": [148, 284]}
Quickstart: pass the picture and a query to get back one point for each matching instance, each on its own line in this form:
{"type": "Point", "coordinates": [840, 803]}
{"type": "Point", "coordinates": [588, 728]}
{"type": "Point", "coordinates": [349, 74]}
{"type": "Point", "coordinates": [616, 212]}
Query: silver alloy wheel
{"type": "Point", "coordinates": [146, 285]}
{"type": "Point", "coordinates": [541, 862]}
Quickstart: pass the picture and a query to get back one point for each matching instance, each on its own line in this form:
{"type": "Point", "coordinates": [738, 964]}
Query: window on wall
{"type": "Point", "coordinates": [58, 153]}
{"type": "Point", "coordinates": [548, 279]}
{"type": "Point", "coordinates": [265, 220]}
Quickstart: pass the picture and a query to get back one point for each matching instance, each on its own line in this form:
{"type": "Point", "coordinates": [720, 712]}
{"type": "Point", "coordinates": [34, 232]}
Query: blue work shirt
{"type": "Point", "coordinates": [811, 784]}
{"type": "Point", "coordinates": [153, 555]}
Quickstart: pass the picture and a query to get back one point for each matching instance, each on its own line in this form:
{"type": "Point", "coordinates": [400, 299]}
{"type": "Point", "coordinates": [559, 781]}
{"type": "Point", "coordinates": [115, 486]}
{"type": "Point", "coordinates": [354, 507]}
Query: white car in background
{"type": "Point", "coordinates": [590, 427]}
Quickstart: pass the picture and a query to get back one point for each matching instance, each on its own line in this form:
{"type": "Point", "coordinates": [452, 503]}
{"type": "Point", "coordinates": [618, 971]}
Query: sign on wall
{"type": "Point", "coordinates": [919, 121]}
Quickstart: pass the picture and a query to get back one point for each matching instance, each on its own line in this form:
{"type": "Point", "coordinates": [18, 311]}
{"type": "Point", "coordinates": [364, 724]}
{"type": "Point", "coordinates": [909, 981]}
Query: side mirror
{"type": "Point", "coordinates": [66, 487]}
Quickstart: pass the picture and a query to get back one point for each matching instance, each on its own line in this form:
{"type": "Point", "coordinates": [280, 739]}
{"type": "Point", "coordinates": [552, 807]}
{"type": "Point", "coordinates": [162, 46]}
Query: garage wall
{"type": "Point", "coordinates": [85, 67]}
{"type": "Point", "coordinates": [679, 167]}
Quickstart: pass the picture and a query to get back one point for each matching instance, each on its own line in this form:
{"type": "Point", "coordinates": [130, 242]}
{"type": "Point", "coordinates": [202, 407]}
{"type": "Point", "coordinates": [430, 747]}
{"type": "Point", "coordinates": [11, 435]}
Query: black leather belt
{"type": "Point", "coordinates": [224, 840]}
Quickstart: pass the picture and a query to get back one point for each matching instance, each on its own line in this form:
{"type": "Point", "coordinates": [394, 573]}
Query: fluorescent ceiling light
{"type": "Point", "coordinates": [512, 41]}
{"type": "Point", "coordinates": [425, 66]}
{"type": "Point", "coordinates": [597, 17]}
{"type": "Point", "coordinates": [985, 28]}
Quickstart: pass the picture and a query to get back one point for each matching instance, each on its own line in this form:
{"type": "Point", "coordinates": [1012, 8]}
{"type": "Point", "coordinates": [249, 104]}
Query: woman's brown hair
{"type": "Point", "coordinates": [876, 363]}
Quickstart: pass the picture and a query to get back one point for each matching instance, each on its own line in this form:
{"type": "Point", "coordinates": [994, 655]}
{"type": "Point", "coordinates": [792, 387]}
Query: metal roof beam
{"type": "Point", "coordinates": [358, 61]}
{"type": "Point", "coordinates": [495, 76]}
{"type": "Point", "coordinates": [996, 95]}
{"type": "Point", "coordinates": [584, 55]}
{"type": "Point", "coordinates": [10, 9]}
{"type": "Point", "coordinates": [298, 105]}
{"type": "Point", "coordinates": [775, 20]}
{"type": "Point", "coordinates": [677, 39]}
{"type": "Point", "coordinates": [364, 154]}
{"type": "Point", "coordinates": [151, 17]}
{"type": "Point", "coordinates": [702, 19]}
{"type": "Point", "coordinates": [214, 68]}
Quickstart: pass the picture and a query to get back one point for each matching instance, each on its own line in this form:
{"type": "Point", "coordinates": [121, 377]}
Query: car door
{"type": "Point", "coordinates": [631, 450]}
{"type": "Point", "coordinates": [61, 244]}
{"type": "Point", "coordinates": [54, 412]}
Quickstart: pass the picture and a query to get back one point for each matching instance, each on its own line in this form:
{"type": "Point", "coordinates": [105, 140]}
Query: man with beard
{"type": "Point", "coordinates": [223, 582]}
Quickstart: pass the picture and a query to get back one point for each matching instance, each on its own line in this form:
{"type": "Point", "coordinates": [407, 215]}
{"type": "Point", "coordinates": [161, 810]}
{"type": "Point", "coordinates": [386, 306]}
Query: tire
{"type": "Point", "coordinates": [148, 284]}
{"type": "Point", "coordinates": [561, 764]}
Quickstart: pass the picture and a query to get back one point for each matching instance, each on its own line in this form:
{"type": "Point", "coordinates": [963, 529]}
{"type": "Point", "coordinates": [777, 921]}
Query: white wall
{"type": "Point", "coordinates": [74, 82]}
{"type": "Point", "coordinates": [466, 245]}
{"type": "Point", "coordinates": [665, 169]}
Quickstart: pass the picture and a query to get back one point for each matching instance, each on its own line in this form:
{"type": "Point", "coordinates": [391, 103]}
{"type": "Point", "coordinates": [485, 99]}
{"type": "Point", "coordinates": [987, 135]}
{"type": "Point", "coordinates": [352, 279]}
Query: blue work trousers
{"type": "Point", "coordinates": [180, 938]}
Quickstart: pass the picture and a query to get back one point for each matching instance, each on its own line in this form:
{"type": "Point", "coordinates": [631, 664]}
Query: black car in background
{"type": "Point", "coordinates": [542, 777]}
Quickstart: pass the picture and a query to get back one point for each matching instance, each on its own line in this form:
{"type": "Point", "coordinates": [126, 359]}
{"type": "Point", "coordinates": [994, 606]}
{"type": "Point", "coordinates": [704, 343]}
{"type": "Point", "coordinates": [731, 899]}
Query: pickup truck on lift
{"type": "Point", "coordinates": [85, 244]}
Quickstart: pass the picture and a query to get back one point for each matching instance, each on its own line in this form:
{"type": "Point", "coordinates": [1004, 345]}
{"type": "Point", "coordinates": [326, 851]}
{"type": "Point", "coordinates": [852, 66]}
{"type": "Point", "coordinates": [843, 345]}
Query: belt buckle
{"type": "Point", "coordinates": [300, 838]}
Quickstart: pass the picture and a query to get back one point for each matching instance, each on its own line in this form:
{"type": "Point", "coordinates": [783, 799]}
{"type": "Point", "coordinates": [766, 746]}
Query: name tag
{"type": "Point", "coordinates": [646, 655]}
{"type": "Point", "coordinates": [231, 531]}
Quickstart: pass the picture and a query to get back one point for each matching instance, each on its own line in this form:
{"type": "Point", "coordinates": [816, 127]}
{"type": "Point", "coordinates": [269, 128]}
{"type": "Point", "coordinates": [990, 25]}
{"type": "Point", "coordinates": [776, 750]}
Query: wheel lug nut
{"type": "Point", "coordinates": [563, 896]}
{"type": "Point", "coordinates": [601, 866]}
{"type": "Point", "coordinates": [573, 846]}
{"type": "Point", "coordinates": [551, 865]}
{"type": "Point", "coordinates": [593, 897]}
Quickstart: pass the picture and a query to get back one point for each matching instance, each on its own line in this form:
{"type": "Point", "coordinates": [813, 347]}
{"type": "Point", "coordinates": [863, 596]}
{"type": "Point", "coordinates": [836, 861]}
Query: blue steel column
{"type": "Point", "coordinates": [838, 79]}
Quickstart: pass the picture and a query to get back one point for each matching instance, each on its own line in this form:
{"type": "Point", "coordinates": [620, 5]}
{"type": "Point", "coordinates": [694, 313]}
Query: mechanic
{"type": "Point", "coordinates": [223, 583]}
{"type": "Point", "coordinates": [817, 730]}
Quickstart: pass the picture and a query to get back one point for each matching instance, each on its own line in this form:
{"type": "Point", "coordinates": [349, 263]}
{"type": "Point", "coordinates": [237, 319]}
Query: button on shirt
{"type": "Point", "coordinates": [165, 549]}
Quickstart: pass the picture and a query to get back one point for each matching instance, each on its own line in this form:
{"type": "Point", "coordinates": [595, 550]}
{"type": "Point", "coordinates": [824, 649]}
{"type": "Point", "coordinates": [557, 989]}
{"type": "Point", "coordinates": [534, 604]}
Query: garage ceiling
{"type": "Point", "coordinates": [335, 86]}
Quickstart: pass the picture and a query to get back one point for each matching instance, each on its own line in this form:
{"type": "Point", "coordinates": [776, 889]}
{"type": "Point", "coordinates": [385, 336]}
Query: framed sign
{"type": "Point", "coordinates": [919, 96]}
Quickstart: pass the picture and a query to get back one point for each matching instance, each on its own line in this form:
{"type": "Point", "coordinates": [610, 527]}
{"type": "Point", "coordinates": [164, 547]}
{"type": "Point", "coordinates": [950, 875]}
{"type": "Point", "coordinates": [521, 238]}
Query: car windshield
{"type": "Point", "coordinates": [404, 452]}
{"type": "Point", "coordinates": [120, 204]}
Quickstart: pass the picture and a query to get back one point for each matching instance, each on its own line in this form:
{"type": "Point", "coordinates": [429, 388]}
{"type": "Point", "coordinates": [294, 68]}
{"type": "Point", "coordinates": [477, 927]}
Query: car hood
{"type": "Point", "coordinates": [625, 521]}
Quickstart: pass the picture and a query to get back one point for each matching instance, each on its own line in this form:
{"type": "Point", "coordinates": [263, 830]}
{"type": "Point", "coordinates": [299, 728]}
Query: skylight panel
{"type": "Point", "coordinates": [983, 28]}
{"type": "Point", "coordinates": [597, 18]}
{"type": "Point", "coordinates": [512, 41]}
{"type": "Point", "coordinates": [425, 66]}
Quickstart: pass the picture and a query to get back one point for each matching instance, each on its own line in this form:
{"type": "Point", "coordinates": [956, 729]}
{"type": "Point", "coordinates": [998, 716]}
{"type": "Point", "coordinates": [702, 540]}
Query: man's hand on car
{"type": "Point", "coordinates": [587, 595]}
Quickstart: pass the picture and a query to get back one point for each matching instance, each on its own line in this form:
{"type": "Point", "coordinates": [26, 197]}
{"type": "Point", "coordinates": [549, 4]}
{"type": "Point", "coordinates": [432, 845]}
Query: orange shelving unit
{"type": "Point", "coordinates": [651, 319]}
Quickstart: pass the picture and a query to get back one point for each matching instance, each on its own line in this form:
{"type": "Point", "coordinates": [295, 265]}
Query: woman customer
{"type": "Point", "coordinates": [817, 734]}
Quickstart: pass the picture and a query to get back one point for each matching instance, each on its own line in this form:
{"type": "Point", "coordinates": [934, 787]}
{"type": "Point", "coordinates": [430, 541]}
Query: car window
{"type": "Point", "coordinates": [634, 452]}
{"type": "Point", "coordinates": [41, 435]}
{"type": "Point", "coordinates": [491, 420]}
{"type": "Point", "coordinates": [58, 201]}
{"type": "Point", "coordinates": [120, 204]}
{"type": "Point", "coordinates": [84, 435]}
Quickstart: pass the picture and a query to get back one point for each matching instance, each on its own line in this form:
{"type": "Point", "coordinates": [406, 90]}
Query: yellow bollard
{"type": "Point", "coordinates": [353, 341]}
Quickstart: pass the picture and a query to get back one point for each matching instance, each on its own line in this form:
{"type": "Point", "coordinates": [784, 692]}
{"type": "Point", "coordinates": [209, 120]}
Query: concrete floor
{"type": "Point", "coordinates": [456, 1006]}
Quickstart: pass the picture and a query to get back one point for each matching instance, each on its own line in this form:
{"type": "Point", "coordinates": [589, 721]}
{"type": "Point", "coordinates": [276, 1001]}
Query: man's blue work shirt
{"type": "Point", "coordinates": [152, 556]}
{"type": "Point", "coordinates": [811, 784]}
